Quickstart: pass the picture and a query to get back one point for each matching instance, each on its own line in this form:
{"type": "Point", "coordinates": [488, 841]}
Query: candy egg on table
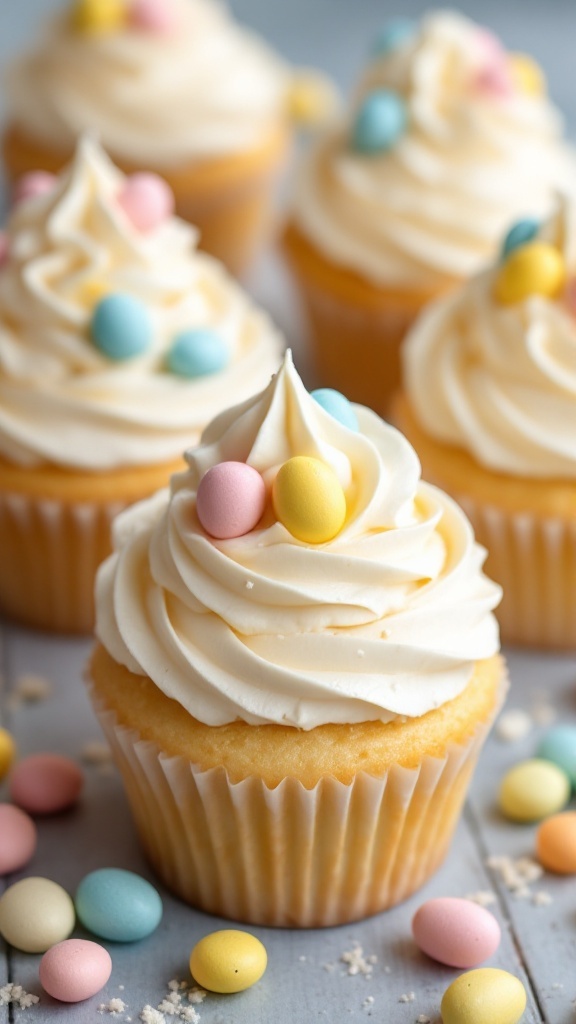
{"type": "Point", "coordinates": [147, 200]}
{"type": "Point", "coordinates": [556, 843]}
{"type": "Point", "coordinates": [380, 122]}
{"type": "Point", "coordinates": [35, 914]}
{"type": "Point", "coordinates": [7, 752]}
{"type": "Point", "coordinates": [521, 233]}
{"type": "Point", "coordinates": [75, 969]}
{"type": "Point", "coordinates": [559, 747]}
{"type": "Point", "coordinates": [46, 783]}
{"type": "Point", "coordinates": [484, 996]}
{"type": "Point", "coordinates": [536, 268]}
{"type": "Point", "coordinates": [337, 405]}
{"type": "Point", "coordinates": [121, 326]}
{"type": "Point", "coordinates": [228, 961]}
{"type": "Point", "coordinates": [197, 353]}
{"type": "Point", "coordinates": [118, 905]}
{"type": "Point", "coordinates": [18, 838]}
{"type": "Point", "coordinates": [35, 183]}
{"type": "Point", "coordinates": [532, 790]}
{"type": "Point", "coordinates": [230, 500]}
{"type": "Point", "coordinates": [456, 932]}
{"type": "Point", "coordinates": [308, 499]}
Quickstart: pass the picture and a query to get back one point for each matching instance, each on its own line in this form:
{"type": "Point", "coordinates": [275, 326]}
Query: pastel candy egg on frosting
{"type": "Point", "coordinates": [522, 232]}
{"type": "Point", "coordinates": [308, 500]}
{"type": "Point", "coordinates": [147, 200]}
{"type": "Point", "coordinates": [393, 35]}
{"type": "Point", "coordinates": [230, 500]}
{"type": "Point", "coordinates": [155, 16]}
{"type": "Point", "coordinates": [337, 405]}
{"type": "Point", "coordinates": [197, 353]}
{"type": "Point", "coordinates": [380, 122]}
{"type": "Point", "coordinates": [121, 327]}
{"type": "Point", "coordinates": [93, 17]}
{"type": "Point", "coordinates": [526, 74]}
{"type": "Point", "coordinates": [35, 183]}
{"type": "Point", "coordinates": [534, 269]}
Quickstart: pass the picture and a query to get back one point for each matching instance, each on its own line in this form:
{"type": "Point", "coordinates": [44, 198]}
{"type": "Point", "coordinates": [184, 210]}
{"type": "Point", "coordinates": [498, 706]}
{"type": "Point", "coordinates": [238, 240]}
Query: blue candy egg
{"type": "Point", "coordinates": [393, 35]}
{"type": "Point", "coordinates": [337, 405]}
{"type": "Point", "coordinates": [559, 746]}
{"type": "Point", "coordinates": [380, 122]}
{"type": "Point", "coordinates": [519, 234]}
{"type": "Point", "coordinates": [121, 327]}
{"type": "Point", "coordinates": [118, 905]}
{"type": "Point", "coordinates": [198, 352]}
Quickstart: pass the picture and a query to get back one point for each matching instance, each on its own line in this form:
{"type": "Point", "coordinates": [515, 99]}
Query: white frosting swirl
{"type": "Point", "coordinates": [205, 89]}
{"type": "Point", "coordinates": [61, 400]}
{"type": "Point", "coordinates": [433, 208]}
{"type": "Point", "coordinates": [385, 620]}
{"type": "Point", "coordinates": [500, 380]}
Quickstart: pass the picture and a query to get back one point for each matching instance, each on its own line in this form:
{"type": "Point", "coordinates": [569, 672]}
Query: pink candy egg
{"type": "Point", "coordinates": [18, 839]}
{"type": "Point", "coordinates": [456, 932]}
{"type": "Point", "coordinates": [147, 200]}
{"type": "Point", "coordinates": [74, 970]}
{"type": "Point", "coordinates": [230, 499]}
{"type": "Point", "coordinates": [495, 80]}
{"type": "Point", "coordinates": [46, 783]}
{"type": "Point", "coordinates": [36, 183]}
{"type": "Point", "coordinates": [156, 16]}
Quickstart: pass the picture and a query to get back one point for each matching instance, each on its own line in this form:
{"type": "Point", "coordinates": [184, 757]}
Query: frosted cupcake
{"type": "Point", "coordinates": [118, 343]}
{"type": "Point", "coordinates": [490, 405]}
{"type": "Point", "coordinates": [297, 664]}
{"type": "Point", "coordinates": [172, 86]}
{"type": "Point", "coordinates": [449, 139]}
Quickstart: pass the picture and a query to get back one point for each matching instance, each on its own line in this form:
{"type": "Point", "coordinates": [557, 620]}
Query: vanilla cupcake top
{"type": "Point", "coordinates": [119, 341]}
{"type": "Point", "coordinates": [492, 369]}
{"type": "Point", "coordinates": [299, 572]}
{"type": "Point", "coordinates": [449, 138]}
{"type": "Point", "coordinates": [161, 81]}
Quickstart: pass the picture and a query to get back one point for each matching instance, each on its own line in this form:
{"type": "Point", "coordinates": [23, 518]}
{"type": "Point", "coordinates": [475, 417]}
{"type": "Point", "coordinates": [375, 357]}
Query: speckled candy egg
{"type": "Point", "coordinates": [147, 200]}
{"type": "Point", "coordinates": [308, 499]}
{"type": "Point", "coordinates": [556, 843]}
{"type": "Point", "coordinates": [46, 783]}
{"type": "Point", "coordinates": [228, 961]}
{"type": "Point", "coordinates": [118, 905]}
{"type": "Point", "coordinates": [18, 838]}
{"type": "Point", "coordinates": [35, 914]}
{"type": "Point", "coordinates": [456, 932]}
{"type": "Point", "coordinates": [230, 499]}
{"type": "Point", "coordinates": [74, 970]}
{"type": "Point", "coordinates": [485, 996]}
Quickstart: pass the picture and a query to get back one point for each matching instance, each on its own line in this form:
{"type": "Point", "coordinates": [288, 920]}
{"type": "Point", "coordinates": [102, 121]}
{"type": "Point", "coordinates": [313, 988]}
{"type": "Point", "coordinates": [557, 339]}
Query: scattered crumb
{"type": "Point", "coordinates": [517, 875]}
{"type": "Point", "coordinates": [11, 993]}
{"type": "Point", "coordinates": [423, 1019]}
{"type": "Point", "coordinates": [557, 984]}
{"type": "Point", "coordinates": [114, 1006]}
{"type": "Point", "coordinates": [29, 688]}
{"type": "Point", "coordinates": [95, 752]}
{"type": "Point", "coordinates": [151, 1016]}
{"type": "Point", "coordinates": [484, 897]}
{"type": "Point", "coordinates": [387, 969]}
{"type": "Point", "coordinates": [542, 898]}
{"type": "Point", "coordinates": [360, 652]}
{"type": "Point", "coordinates": [121, 987]}
{"type": "Point", "coordinates": [513, 725]}
{"type": "Point", "coordinates": [369, 1001]}
{"type": "Point", "coordinates": [249, 585]}
{"type": "Point", "coordinates": [195, 994]}
{"type": "Point", "coordinates": [408, 997]}
{"type": "Point", "coordinates": [302, 959]}
{"type": "Point", "coordinates": [329, 967]}
{"type": "Point", "coordinates": [357, 962]}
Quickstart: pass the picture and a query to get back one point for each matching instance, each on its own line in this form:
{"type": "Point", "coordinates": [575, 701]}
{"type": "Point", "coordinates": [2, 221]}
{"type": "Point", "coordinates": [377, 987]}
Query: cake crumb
{"type": "Point", "coordinates": [114, 1007]}
{"type": "Point", "coordinates": [96, 753]}
{"type": "Point", "coordinates": [151, 1016]}
{"type": "Point", "coordinates": [423, 1019]}
{"type": "Point", "coordinates": [557, 984]}
{"type": "Point", "coordinates": [369, 1001]}
{"type": "Point", "coordinates": [249, 585]}
{"type": "Point", "coordinates": [407, 997]}
{"type": "Point", "coordinates": [29, 688]}
{"type": "Point", "coordinates": [387, 969]}
{"type": "Point", "coordinates": [484, 897]}
{"type": "Point", "coordinates": [513, 725]}
{"type": "Point", "coordinates": [15, 994]}
{"type": "Point", "coordinates": [541, 898]}
{"type": "Point", "coordinates": [516, 874]}
{"type": "Point", "coordinates": [302, 959]}
{"type": "Point", "coordinates": [196, 995]}
{"type": "Point", "coordinates": [356, 962]}
{"type": "Point", "coordinates": [360, 652]}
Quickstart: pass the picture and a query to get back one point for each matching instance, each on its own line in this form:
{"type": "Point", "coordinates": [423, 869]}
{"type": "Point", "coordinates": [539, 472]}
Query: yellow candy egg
{"type": "Point", "coordinates": [533, 269]}
{"type": "Point", "coordinates": [228, 961]}
{"type": "Point", "coordinates": [526, 74]}
{"type": "Point", "coordinates": [532, 790]}
{"type": "Point", "coordinates": [7, 752]}
{"type": "Point", "coordinates": [484, 996]}
{"type": "Point", "coordinates": [308, 499]}
{"type": "Point", "coordinates": [98, 16]}
{"type": "Point", "coordinates": [312, 98]}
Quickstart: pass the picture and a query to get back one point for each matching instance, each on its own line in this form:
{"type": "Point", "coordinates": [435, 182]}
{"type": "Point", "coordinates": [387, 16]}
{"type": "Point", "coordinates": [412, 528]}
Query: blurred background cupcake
{"type": "Point", "coordinates": [449, 138]}
{"type": "Point", "coordinates": [490, 405]}
{"type": "Point", "coordinates": [118, 343]}
{"type": "Point", "coordinates": [169, 85]}
{"type": "Point", "coordinates": [297, 664]}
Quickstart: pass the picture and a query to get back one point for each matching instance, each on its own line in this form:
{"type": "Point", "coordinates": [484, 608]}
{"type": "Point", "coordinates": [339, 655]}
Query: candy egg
{"type": "Point", "coordinates": [337, 405]}
{"type": "Point", "coordinates": [455, 932]}
{"type": "Point", "coordinates": [7, 752]}
{"type": "Point", "coordinates": [118, 905]}
{"type": "Point", "coordinates": [311, 99]}
{"type": "Point", "coordinates": [485, 996]}
{"type": "Point", "coordinates": [197, 353]}
{"type": "Point", "coordinates": [35, 914]}
{"type": "Point", "coordinates": [519, 234]}
{"type": "Point", "coordinates": [147, 200]}
{"type": "Point", "coordinates": [121, 327]}
{"type": "Point", "coordinates": [18, 838]}
{"type": "Point", "coordinates": [559, 746]}
{"type": "Point", "coordinates": [94, 17]}
{"type": "Point", "coordinates": [494, 79]}
{"type": "Point", "coordinates": [74, 970]}
{"type": "Point", "coordinates": [393, 35]}
{"type": "Point", "coordinates": [308, 500]}
{"type": "Point", "coordinates": [35, 183]}
{"type": "Point", "coordinates": [532, 790]}
{"type": "Point", "coordinates": [534, 269]}
{"type": "Point", "coordinates": [228, 961]}
{"type": "Point", "coordinates": [556, 843]}
{"type": "Point", "coordinates": [157, 16]}
{"type": "Point", "coordinates": [526, 74]}
{"type": "Point", "coordinates": [380, 122]}
{"type": "Point", "coordinates": [230, 500]}
{"type": "Point", "coordinates": [46, 783]}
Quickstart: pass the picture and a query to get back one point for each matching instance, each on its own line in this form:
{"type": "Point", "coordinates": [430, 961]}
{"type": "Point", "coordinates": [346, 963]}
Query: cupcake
{"type": "Point", "coordinates": [490, 405]}
{"type": "Point", "coordinates": [297, 664]}
{"type": "Point", "coordinates": [172, 86]}
{"type": "Point", "coordinates": [449, 139]}
{"type": "Point", "coordinates": [118, 343]}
